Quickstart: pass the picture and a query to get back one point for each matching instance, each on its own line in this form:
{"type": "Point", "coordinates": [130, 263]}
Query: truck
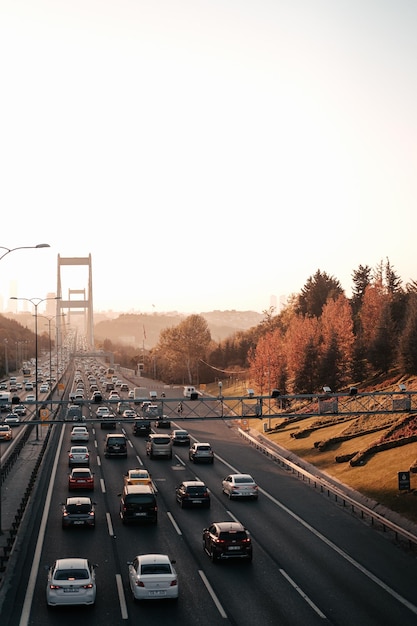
{"type": "Point", "coordinates": [140, 394]}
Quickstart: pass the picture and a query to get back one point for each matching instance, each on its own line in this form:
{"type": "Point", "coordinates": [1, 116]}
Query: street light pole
{"type": "Point", "coordinates": [7, 251]}
{"type": "Point", "coordinates": [36, 302]}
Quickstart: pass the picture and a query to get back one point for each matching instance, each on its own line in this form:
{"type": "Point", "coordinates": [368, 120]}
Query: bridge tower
{"type": "Point", "coordinates": [81, 305]}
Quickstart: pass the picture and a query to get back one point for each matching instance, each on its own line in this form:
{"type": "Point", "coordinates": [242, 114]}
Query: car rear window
{"type": "Point", "coordinates": [243, 480]}
{"type": "Point", "coordinates": [136, 498]}
{"type": "Point", "coordinates": [196, 491]}
{"type": "Point", "coordinates": [162, 441]}
{"type": "Point", "coordinates": [231, 535]}
{"type": "Point", "coordinates": [156, 568]}
{"type": "Point", "coordinates": [71, 574]}
{"type": "Point", "coordinates": [79, 508]}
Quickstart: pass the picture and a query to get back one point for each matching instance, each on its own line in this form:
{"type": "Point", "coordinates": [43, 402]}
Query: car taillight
{"type": "Point", "coordinates": [71, 456]}
{"type": "Point", "coordinates": [89, 586]}
{"type": "Point", "coordinates": [54, 587]}
{"type": "Point", "coordinates": [247, 540]}
{"type": "Point", "coordinates": [218, 540]}
{"type": "Point", "coordinates": [173, 583]}
{"type": "Point", "coordinates": [139, 583]}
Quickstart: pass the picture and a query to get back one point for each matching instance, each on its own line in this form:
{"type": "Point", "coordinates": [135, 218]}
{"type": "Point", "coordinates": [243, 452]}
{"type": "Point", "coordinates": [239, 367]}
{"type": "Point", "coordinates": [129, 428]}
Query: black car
{"type": "Point", "coordinates": [193, 493]}
{"type": "Point", "coordinates": [141, 427]}
{"type": "Point", "coordinates": [138, 504]}
{"type": "Point", "coordinates": [115, 445]}
{"type": "Point", "coordinates": [227, 540]}
{"type": "Point", "coordinates": [180, 437]}
{"type": "Point", "coordinates": [78, 511]}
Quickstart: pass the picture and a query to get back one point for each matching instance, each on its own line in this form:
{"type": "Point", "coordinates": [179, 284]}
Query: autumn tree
{"type": "Point", "coordinates": [185, 345]}
{"type": "Point", "coordinates": [315, 293]}
{"type": "Point", "coordinates": [337, 340]}
{"type": "Point", "coordinates": [302, 351]}
{"type": "Point", "coordinates": [268, 364]}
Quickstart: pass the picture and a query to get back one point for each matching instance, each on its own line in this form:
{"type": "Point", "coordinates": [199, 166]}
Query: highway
{"type": "Point", "coordinates": [313, 562]}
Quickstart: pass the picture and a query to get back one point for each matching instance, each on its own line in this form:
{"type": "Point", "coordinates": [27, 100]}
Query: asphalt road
{"type": "Point", "coordinates": [313, 562]}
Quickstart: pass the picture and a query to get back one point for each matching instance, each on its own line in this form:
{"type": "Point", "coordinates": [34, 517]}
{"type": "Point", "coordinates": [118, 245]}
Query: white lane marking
{"type": "Point", "coordinates": [302, 594]}
{"type": "Point", "coordinates": [174, 523]}
{"type": "Point", "coordinates": [122, 599]}
{"type": "Point", "coordinates": [213, 595]}
{"type": "Point", "coordinates": [109, 524]}
{"type": "Point", "coordinates": [102, 485]}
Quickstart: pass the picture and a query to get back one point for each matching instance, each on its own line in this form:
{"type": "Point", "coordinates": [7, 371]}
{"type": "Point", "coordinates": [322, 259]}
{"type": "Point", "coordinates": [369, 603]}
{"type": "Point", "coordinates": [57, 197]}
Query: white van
{"type": "Point", "coordinates": [188, 390]}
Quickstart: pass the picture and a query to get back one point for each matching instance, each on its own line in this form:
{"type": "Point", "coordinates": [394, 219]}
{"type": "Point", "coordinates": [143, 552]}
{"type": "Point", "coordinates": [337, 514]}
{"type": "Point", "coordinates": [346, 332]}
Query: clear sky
{"type": "Point", "coordinates": [207, 153]}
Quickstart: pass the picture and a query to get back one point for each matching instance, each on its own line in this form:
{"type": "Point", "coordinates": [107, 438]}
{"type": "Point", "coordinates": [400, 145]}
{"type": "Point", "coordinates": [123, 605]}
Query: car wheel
{"type": "Point", "coordinates": [213, 556]}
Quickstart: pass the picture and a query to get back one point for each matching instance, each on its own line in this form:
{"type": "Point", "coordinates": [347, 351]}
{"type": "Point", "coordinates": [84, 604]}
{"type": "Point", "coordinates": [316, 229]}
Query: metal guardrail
{"type": "Point", "coordinates": [331, 489]}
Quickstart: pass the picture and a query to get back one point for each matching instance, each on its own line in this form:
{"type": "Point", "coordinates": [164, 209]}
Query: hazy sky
{"type": "Point", "coordinates": [207, 153]}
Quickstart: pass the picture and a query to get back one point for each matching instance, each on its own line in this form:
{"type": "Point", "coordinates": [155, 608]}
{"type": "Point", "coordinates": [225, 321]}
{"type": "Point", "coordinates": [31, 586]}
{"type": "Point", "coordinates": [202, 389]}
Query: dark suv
{"type": "Point", "coordinates": [227, 540]}
{"type": "Point", "coordinates": [115, 445]}
{"type": "Point", "coordinates": [138, 504]}
{"type": "Point", "coordinates": [141, 427]}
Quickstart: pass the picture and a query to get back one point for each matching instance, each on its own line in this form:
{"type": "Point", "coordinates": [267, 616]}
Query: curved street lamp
{"type": "Point", "coordinates": [36, 302]}
{"type": "Point", "coordinates": [8, 250]}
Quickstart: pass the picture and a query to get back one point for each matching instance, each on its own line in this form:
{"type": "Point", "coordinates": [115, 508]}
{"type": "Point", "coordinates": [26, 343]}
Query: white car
{"type": "Point", "coordinates": [240, 486]}
{"type": "Point", "coordinates": [153, 577]}
{"type": "Point", "coordinates": [79, 433]}
{"type": "Point", "coordinates": [71, 582]}
{"type": "Point", "coordinates": [12, 419]}
{"type": "Point", "coordinates": [44, 388]}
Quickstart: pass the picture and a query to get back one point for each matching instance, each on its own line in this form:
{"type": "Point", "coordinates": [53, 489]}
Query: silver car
{"type": "Point", "coordinates": [240, 486]}
{"type": "Point", "coordinates": [78, 455]}
{"type": "Point", "coordinates": [71, 582]}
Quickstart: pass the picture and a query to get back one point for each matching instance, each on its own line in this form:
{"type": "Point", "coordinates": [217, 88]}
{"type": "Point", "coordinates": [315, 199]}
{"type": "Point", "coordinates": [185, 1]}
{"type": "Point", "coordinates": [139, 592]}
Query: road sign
{"type": "Point", "coordinates": [43, 414]}
{"type": "Point", "coordinates": [404, 481]}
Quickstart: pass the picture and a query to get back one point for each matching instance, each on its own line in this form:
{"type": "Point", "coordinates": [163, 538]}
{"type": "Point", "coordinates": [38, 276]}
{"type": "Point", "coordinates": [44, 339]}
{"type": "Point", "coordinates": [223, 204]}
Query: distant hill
{"type": "Point", "coordinates": [143, 329]}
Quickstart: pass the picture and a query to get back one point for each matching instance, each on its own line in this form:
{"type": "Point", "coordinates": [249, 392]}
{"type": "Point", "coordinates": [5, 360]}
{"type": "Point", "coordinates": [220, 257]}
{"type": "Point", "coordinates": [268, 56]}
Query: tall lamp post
{"type": "Point", "coordinates": [36, 302]}
{"type": "Point", "coordinates": [7, 251]}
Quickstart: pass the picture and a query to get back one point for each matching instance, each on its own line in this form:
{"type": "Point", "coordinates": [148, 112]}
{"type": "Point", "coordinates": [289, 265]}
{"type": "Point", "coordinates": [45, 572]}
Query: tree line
{"type": "Point", "coordinates": [320, 338]}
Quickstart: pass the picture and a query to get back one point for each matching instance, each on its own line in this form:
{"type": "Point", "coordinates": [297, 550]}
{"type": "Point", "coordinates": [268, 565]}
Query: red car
{"type": "Point", "coordinates": [81, 478]}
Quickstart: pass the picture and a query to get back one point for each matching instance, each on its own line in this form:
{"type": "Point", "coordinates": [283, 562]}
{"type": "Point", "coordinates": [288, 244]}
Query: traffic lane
{"type": "Point", "coordinates": [332, 521]}
{"type": "Point", "coordinates": [94, 544]}
{"type": "Point", "coordinates": [195, 604]}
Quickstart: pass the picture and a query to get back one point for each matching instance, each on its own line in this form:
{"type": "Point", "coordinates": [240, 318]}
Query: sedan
{"type": "Point", "coordinates": [31, 398]}
{"type": "Point", "coordinates": [129, 413]}
{"type": "Point", "coordinates": [180, 438]}
{"type": "Point", "coordinates": [79, 433]}
{"type": "Point", "coordinates": [138, 477]}
{"type": "Point", "coordinates": [78, 455]}
{"type": "Point", "coordinates": [193, 493]}
{"type": "Point", "coordinates": [20, 410]}
{"type": "Point", "coordinates": [153, 577]}
{"type": "Point", "coordinates": [240, 486]}
{"type": "Point", "coordinates": [71, 582]}
{"type": "Point", "coordinates": [81, 478]}
{"type": "Point", "coordinates": [78, 511]}
{"type": "Point", "coordinates": [44, 388]}
{"type": "Point", "coordinates": [12, 419]}
{"type": "Point", "coordinates": [5, 432]}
